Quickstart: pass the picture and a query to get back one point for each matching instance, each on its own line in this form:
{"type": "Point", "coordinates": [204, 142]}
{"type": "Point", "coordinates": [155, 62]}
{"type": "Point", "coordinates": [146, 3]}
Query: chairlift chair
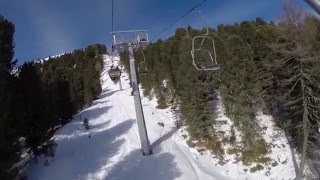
{"type": "Point", "coordinates": [121, 47]}
{"type": "Point", "coordinates": [114, 74]}
{"type": "Point", "coordinates": [143, 39]}
{"type": "Point", "coordinates": [210, 64]}
{"type": "Point", "coordinates": [142, 68]}
{"type": "Point", "coordinates": [118, 42]}
{"type": "Point", "coordinates": [137, 38]}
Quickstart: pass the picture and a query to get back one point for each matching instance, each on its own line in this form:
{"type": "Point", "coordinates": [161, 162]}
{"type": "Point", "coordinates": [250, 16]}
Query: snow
{"type": "Point", "coordinates": [15, 72]}
{"type": "Point", "coordinates": [41, 60]}
{"type": "Point", "coordinates": [281, 152]}
{"type": "Point", "coordinates": [225, 124]}
{"type": "Point", "coordinates": [274, 137]}
{"type": "Point", "coordinates": [110, 149]}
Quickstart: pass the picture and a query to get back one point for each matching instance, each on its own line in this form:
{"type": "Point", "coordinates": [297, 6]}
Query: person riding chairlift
{"type": "Point", "coordinates": [115, 79]}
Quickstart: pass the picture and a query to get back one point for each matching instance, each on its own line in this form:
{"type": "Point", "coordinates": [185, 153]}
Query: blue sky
{"type": "Point", "coordinates": [50, 27]}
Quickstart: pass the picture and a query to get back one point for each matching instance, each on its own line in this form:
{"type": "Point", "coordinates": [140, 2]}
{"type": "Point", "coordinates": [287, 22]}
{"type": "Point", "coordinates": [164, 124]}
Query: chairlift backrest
{"type": "Point", "coordinates": [211, 63]}
{"type": "Point", "coordinates": [114, 72]}
{"type": "Point", "coordinates": [142, 37]}
{"type": "Point", "coordinates": [142, 68]}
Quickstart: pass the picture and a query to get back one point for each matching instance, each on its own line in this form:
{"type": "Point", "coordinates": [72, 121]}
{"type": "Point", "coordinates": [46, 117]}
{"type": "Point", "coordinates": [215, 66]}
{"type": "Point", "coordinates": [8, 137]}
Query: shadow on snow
{"type": "Point", "coordinates": [92, 113]}
{"type": "Point", "coordinates": [163, 138]}
{"type": "Point", "coordinates": [107, 93]}
{"type": "Point", "coordinates": [82, 156]}
{"type": "Point", "coordinates": [157, 166]}
{"type": "Point", "coordinates": [136, 166]}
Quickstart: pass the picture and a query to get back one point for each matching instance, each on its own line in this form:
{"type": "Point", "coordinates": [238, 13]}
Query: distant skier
{"type": "Point", "coordinates": [86, 123]}
{"type": "Point", "coordinates": [160, 124]}
{"type": "Point", "coordinates": [176, 124]}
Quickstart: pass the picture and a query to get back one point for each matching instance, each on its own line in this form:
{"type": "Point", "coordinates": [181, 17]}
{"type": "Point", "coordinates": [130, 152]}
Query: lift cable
{"type": "Point", "coordinates": [165, 29]}
{"type": "Point", "coordinates": [112, 26]}
{"type": "Point", "coordinates": [112, 16]}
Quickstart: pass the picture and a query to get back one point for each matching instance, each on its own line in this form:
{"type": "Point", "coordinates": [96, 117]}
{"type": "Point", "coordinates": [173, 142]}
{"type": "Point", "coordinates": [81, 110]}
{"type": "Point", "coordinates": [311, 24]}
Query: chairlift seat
{"type": "Point", "coordinates": [114, 73]}
{"type": "Point", "coordinates": [144, 44]}
{"type": "Point", "coordinates": [211, 58]}
{"type": "Point", "coordinates": [142, 70]}
{"type": "Point", "coordinates": [121, 47]}
{"type": "Point", "coordinates": [114, 79]}
{"type": "Point", "coordinates": [207, 65]}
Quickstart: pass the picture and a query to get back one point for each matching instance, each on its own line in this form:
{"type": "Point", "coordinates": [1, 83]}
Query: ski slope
{"type": "Point", "coordinates": [110, 149]}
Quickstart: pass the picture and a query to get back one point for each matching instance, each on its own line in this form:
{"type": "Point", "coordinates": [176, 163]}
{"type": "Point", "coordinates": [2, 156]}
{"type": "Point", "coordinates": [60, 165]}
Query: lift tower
{"type": "Point", "coordinates": [131, 41]}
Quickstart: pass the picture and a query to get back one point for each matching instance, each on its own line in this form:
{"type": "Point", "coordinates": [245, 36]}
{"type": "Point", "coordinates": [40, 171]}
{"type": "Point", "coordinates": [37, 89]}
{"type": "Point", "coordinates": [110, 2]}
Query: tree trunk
{"type": "Point", "coordinates": [305, 131]}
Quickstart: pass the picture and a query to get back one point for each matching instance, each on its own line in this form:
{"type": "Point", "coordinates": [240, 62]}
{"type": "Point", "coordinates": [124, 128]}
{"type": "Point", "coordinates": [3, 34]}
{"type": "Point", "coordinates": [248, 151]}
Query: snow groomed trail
{"type": "Point", "coordinates": [110, 149]}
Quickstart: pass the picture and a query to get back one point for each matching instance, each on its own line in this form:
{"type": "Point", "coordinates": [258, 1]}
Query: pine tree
{"type": "Point", "coordinates": [7, 45]}
{"type": "Point", "coordinates": [8, 121]}
{"type": "Point", "coordinates": [35, 122]}
{"type": "Point", "coordinates": [298, 73]}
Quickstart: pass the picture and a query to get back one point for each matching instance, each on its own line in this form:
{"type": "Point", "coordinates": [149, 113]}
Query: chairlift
{"type": "Point", "coordinates": [120, 47]}
{"type": "Point", "coordinates": [119, 42]}
{"type": "Point", "coordinates": [142, 39]}
{"type": "Point", "coordinates": [135, 38]}
{"type": "Point", "coordinates": [114, 73]}
{"type": "Point", "coordinates": [142, 68]}
{"type": "Point", "coordinates": [210, 64]}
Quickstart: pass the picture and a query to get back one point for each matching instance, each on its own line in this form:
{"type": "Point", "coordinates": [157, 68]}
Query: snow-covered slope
{"type": "Point", "coordinates": [110, 149]}
{"type": "Point", "coordinates": [47, 58]}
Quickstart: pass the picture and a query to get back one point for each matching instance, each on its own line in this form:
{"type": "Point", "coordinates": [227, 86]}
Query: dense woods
{"type": "Point", "coordinates": [265, 67]}
{"type": "Point", "coordinates": [40, 96]}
